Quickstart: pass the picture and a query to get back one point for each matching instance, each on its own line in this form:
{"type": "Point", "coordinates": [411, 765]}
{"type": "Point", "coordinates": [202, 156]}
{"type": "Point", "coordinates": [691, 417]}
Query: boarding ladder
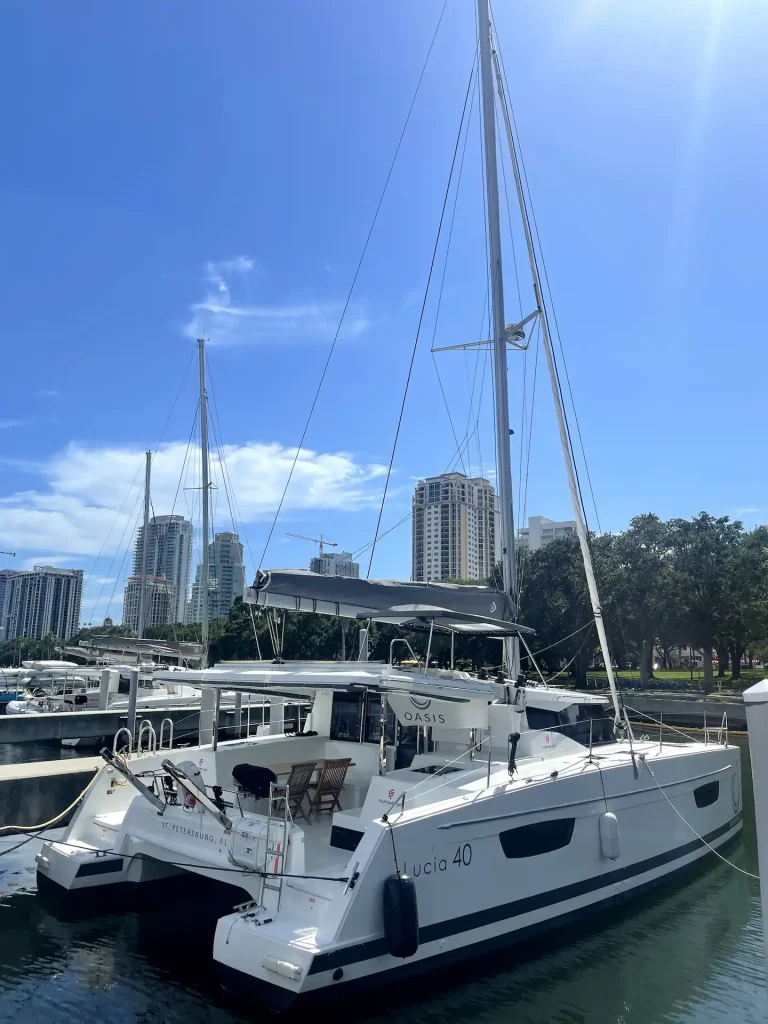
{"type": "Point", "coordinates": [276, 842]}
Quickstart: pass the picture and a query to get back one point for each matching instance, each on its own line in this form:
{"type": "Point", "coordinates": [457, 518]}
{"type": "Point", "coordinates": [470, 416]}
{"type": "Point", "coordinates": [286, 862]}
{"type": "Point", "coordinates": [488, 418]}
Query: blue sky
{"type": "Point", "coordinates": [174, 168]}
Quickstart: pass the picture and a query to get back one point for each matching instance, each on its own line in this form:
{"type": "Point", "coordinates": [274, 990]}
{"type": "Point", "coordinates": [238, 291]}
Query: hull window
{"type": "Point", "coordinates": [707, 794]}
{"type": "Point", "coordinates": [533, 840]}
{"type": "Point", "coordinates": [577, 721]}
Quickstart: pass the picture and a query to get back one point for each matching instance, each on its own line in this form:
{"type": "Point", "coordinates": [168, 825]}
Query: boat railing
{"type": "Point", "coordinates": [115, 748]}
{"type": "Point", "coordinates": [400, 640]}
{"type": "Point", "coordinates": [146, 728]}
{"type": "Point", "coordinates": [716, 734]}
{"type": "Point", "coordinates": [248, 718]}
{"type": "Point", "coordinates": [161, 740]}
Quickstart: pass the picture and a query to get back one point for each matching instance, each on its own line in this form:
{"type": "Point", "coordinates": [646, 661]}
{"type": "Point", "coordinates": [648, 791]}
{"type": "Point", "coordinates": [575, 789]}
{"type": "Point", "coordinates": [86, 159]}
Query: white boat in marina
{"type": "Point", "coordinates": [57, 687]}
{"type": "Point", "coordinates": [520, 807]}
{"type": "Point", "coordinates": [496, 847]}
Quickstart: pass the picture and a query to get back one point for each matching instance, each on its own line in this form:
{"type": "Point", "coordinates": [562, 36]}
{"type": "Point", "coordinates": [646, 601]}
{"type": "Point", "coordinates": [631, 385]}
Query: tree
{"type": "Point", "coordinates": [640, 584]}
{"type": "Point", "coordinates": [702, 559]}
{"type": "Point", "coordinates": [555, 602]}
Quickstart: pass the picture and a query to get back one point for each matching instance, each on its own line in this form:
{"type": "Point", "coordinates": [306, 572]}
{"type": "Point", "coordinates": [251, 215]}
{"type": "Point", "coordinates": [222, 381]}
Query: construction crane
{"type": "Point", "coordinates": [315, 540]}
{"type": "Point", "coordinates": [11, 553]}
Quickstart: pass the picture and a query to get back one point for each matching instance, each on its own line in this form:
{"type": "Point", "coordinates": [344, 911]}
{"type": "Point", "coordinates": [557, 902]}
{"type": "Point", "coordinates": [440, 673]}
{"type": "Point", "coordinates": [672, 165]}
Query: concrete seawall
{"type": "Point", "coordinates": [31, 794]}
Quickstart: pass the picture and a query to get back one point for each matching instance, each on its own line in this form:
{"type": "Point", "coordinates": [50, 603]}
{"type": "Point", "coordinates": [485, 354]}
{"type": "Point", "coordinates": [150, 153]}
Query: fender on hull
{"type": "Point", "coordinates": [248, 988]}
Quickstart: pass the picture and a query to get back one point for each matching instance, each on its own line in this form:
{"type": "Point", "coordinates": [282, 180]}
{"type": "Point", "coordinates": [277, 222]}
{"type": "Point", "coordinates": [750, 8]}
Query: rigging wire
{"type": "Point", "coordinates": [421, 321]}
{"type": "Point", "coordinates": [227, 475]}
{"type": "Point", "coordinates": [571, 446]}
{"type": "Point", "coordinates": [445, 264]}
{"type": "Point", "coordinates": [118, 548]}
{"type": "Point", "coordinates": [229, 491]}
{"type": "Point", "coordinates": [539, 255]}
{"type": "Point", "coordinates": [133, 484]}
{"type": "Point", "coordinates": [352, 287]}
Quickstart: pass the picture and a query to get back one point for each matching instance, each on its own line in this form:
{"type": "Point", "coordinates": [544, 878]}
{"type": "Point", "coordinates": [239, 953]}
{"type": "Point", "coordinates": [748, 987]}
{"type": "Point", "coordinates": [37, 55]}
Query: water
{"type": "Point", "coordinates": [24, 753]}
{"type": "Point", "coordinates": [690, 954]}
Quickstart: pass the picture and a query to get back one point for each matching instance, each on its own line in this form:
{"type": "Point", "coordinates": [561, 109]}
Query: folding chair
{"type": "Point", "coordinates": [296, 786]}
{"type": "Point", "coordinates": [325, 795]}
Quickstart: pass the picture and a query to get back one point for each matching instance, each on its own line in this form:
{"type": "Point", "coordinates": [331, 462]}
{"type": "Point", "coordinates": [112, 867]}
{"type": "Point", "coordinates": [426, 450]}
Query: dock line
{"type": "Point", "coordinates": [47, 824]}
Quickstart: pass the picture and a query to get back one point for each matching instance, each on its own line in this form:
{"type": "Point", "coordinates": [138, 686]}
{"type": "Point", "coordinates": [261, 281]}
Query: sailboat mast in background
{"type": "Point", "coordinates": [144, 543]}
{"type": "Point", "coordinates": [204, 582]}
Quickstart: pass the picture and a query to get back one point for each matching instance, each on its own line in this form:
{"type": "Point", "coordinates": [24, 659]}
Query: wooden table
{"type": "Point", "coordinates": [285, 769]}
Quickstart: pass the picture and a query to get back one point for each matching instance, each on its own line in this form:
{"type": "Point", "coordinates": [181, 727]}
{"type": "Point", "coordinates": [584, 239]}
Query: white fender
{"type": "Point", "coordinates": [609, 836]}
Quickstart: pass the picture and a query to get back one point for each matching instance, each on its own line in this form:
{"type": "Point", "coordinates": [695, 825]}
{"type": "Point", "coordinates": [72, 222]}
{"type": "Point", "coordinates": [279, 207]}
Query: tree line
{"type": "Point", "coordinates": [699, 583]}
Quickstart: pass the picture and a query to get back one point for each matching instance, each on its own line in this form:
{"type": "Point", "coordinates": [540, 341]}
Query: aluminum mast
{"type": "Point", "coordinates": [503, 457]}
{"type": "Point", "coordinates": [204, 582]}
{"type": "Point", "coordinates": [144, 542]}
{"type": "Point", "coordinates": [541, 311]}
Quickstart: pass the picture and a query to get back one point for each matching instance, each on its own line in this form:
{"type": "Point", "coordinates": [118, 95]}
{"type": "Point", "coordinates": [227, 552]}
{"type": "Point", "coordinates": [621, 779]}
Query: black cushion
{"type": "Point", "coordinates": [254, 779]}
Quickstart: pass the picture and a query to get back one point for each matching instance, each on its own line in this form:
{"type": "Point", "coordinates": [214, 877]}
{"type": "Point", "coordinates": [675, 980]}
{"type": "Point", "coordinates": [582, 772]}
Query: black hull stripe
{"type": "Point", "coordinates": [102, 866]}
{"type": "Point", "coordinates": [468, 922]}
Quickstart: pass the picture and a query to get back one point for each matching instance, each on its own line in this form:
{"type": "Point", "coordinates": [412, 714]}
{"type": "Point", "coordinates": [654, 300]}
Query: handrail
{"type": "Point", "coordinates": [400, 640]}
{"type": "Point", "coordinates": [130, 739]}
{"type": "Point", "coordinates": [720, 731]}
{"type": "Point", "coordinates": [162, 733]}
{"type": "Point", "coordinates": [146, 726]}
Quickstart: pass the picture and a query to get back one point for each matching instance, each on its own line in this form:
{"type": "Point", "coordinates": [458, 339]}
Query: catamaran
{"type": "Point", "coordinates": [417, 817]}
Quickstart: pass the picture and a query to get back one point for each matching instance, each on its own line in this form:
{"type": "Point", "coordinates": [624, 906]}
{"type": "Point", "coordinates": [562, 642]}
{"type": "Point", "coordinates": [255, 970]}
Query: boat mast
{"type": "Point", "coordinates": [503, 456]}
{"type": "Point", "coordinates": [541, 311]}
{"type": "Point", "coordinates": [204, 584]}
{"type": "Point", "coordinates": [144, 543]}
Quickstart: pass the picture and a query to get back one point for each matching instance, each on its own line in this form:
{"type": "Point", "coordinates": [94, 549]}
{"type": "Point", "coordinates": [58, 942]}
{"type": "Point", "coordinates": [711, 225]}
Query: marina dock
{"type": "Point", "coordinates": [93, 724]}
{"type": "Point", "coordinates": [33, 793]}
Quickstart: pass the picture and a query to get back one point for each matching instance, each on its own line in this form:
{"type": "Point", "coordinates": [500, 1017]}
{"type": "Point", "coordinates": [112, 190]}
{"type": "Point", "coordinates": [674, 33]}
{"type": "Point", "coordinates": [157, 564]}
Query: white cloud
{"type": "Point", "coordinates": [226, 323]}
{"type": "Point", "coordinates": [9, 424]}
{"type": "Point", "coordinates": [82, 503]}
{"type": "Point", "coordinates": [47, 393]}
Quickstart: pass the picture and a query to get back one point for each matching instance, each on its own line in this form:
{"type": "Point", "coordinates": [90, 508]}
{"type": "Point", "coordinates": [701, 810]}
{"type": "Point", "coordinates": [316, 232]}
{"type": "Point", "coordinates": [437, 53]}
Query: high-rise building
{"type": "Point", "coordinates": [541, 531]}
{"type": "Point", "coordinates": [39, 601]}
{"type": "Point", "coordinates": [336, 563]}
{"type": "Point", "coordinates": [225, 556]}
{"type": "Point", "coordinates": [159, 602]}
{"type": "Point", "coordinates": [169, 552]}
{"type": "Point", "coordinates": [226, 575]}
{"type": "Point", "coordinates": [195, 604]}
{"type": "Point", "coordinates": [5, 575]}
{"type": "Point", "coordinates": [454, 531]}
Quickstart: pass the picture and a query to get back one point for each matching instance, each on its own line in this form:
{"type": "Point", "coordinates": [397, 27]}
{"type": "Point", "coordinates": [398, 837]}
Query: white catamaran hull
{"type": "Point", "coordinates": [492, 864]}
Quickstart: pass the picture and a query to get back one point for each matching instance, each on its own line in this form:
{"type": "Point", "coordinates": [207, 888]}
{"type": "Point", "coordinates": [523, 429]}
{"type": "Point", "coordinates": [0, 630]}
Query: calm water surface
{"type": "Point", "coordinates": [690, 955]}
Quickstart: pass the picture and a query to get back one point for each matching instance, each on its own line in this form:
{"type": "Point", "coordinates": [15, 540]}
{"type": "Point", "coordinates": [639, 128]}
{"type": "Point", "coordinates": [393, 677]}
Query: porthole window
{"type": "Point", "coordinates": [707, 794]}
{"type": "Point", "coordinates": [533, 840]}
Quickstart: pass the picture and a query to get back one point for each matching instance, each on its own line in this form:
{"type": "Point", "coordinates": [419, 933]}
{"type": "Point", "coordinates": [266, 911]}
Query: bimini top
{"type": "Point", "coordinates": [302, 677]}
{"type": "Point", "coordinates": [464, 609]}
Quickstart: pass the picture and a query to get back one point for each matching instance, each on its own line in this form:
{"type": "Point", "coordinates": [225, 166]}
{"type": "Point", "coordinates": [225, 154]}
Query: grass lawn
{"type": "Point", "coordinates": [749, 676]}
